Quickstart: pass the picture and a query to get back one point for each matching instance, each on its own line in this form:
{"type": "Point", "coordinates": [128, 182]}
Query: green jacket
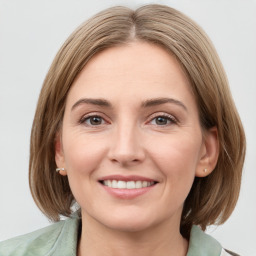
{"type": "Point", "coordinates": [60, 239]}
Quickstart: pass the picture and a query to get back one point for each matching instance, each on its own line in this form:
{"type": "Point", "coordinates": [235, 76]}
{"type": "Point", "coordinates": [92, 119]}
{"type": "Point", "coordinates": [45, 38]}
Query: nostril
{"type": "Point", "coordinates": [124, 159]}
{"type": "Point", "coordinates": [126, 149]}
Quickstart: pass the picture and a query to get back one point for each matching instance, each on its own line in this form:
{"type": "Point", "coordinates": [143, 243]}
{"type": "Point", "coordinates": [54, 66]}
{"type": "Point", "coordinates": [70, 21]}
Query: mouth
{"type": "Point", "coordinates": [132, 184]}
{"type": "Point", "coordinates": [127, 187]}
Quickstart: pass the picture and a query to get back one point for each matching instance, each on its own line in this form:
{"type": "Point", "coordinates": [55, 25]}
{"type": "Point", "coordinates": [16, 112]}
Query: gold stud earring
{"type": "Point", "coordinates": [205, 170]}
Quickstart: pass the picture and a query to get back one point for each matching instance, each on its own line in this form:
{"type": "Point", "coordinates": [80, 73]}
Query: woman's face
{"type": "Point", "coordinates": [131, 141]}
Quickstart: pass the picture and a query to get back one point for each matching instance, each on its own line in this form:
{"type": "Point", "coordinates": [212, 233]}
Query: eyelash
{"type": "Point", "coordinates": [89, 117]}
{"type": "Point", "coordinates": [169, 118]}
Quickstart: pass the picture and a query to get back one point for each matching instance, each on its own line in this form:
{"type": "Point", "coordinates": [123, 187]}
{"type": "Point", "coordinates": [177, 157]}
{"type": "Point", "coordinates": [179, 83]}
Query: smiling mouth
{"type": "Point", "coordinates": [121, 184]}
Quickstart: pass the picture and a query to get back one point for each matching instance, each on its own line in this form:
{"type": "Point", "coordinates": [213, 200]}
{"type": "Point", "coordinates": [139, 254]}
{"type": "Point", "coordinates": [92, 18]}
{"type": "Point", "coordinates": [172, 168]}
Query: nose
{"type": "Point", "coordinates": [126, 146]}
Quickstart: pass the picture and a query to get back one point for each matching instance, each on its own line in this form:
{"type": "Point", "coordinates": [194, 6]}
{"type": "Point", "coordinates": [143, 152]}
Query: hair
{"type": "Point", "coordinates": [212, 198]}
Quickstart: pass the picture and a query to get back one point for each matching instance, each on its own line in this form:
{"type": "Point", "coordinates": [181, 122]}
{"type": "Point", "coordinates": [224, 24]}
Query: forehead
{"type": "Point", "coordinates": [134, 69]}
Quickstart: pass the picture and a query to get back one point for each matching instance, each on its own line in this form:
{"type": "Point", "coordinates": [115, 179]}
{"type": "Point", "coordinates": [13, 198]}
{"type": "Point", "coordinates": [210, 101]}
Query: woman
{"type": "Point", "coordinates": [136, 117]}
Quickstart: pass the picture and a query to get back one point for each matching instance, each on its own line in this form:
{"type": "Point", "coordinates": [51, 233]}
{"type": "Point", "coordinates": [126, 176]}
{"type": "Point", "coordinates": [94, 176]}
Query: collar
{"type": "Point", "coordinates": [201, 244]}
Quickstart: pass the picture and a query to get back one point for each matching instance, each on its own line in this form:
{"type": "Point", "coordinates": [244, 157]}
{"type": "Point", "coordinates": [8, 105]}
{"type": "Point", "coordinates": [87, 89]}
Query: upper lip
{"type": "Point", "coordinates": [126, 178]}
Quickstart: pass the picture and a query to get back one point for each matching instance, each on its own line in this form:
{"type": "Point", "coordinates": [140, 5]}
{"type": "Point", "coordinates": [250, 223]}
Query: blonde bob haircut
{"type": "Point", "coordinates": [212, 198]}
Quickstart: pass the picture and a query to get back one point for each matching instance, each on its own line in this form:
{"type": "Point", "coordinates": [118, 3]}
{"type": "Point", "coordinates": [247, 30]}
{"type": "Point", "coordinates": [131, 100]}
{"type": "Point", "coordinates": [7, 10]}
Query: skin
{"type": "Point", "coordinates": [163, 142]}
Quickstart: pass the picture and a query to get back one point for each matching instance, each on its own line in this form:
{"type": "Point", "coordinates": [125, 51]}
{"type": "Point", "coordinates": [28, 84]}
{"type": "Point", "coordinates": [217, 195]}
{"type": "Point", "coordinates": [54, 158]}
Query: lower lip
{"type": "Point", "coordinates": [127, 193]}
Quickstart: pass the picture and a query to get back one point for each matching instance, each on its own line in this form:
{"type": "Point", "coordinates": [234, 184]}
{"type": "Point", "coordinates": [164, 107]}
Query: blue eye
{"type": "Point", "coordinates": [162, 120]}
{"type": "Point", "coordinates": [94, 120]}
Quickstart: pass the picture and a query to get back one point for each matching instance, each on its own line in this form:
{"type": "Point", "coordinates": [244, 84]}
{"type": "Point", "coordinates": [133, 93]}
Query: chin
{"type": "Point", "coordinates": [128, 222]}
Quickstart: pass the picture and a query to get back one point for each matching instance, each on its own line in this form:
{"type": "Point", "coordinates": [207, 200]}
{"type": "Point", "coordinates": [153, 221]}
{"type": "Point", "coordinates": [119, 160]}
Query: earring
{"type": "Point", "coordinates": [205, 170]}
{"type": "Point", "coordinates": [60, 169]}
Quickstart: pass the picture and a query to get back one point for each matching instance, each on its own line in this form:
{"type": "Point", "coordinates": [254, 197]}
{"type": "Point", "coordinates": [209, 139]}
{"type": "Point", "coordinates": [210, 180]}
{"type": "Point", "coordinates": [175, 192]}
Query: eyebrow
{"type": "Point", "coordinates": [160, 101]}
{"type": "Point", "coordinates": [145, 104]}
{"type": "Point", "coordinates": [97, 102]}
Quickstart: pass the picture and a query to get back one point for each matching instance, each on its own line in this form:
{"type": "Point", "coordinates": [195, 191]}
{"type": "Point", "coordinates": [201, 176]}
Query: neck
{"type": "Point", "coordinates": [164, 239]}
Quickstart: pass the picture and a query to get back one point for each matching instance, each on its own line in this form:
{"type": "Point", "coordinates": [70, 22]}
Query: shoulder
{"type": "Point", "coordinates": [46, 241]}
{"type": "Point", "coordinates": [201, 244]}
{"type": "Point", "coordinates": [42, 240]}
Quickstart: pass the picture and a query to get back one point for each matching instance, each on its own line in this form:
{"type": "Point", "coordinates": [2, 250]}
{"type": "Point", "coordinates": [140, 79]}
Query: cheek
{"type": "Point", "coordinates": [82, 157]}
{"type": "Point", "coordinates": [177, 159]}
{"type": "Point", "coordinates": [82, 154]}
{"type": "Point", "coordinates": [177, 152]}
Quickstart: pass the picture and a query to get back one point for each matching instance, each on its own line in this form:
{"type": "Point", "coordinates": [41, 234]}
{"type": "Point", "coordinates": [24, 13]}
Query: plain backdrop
{"type": "Point", "coordinates": [32, 31]}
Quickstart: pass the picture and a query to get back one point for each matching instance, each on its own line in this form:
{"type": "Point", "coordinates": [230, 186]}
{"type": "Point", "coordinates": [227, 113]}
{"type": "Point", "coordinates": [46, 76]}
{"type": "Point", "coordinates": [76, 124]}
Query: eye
{"type": "Point", "coordinates": [162, 120]}
{"type": "Point", "coordinates": [93, 120]}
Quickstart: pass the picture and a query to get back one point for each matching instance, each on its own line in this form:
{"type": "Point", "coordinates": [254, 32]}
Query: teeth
{"type": "Point", "coordinates": [127, 184]}
{"type": "Point", "coordinates": [130, 185]}
{"type": "Point", "coordinates": [121, 184]}
{"type": "Point", "coordinates": [144, 184]}
{"type": "Point", "coordinates": [138, 184]}
{"type": "Point", "coordinates": [114, 184]}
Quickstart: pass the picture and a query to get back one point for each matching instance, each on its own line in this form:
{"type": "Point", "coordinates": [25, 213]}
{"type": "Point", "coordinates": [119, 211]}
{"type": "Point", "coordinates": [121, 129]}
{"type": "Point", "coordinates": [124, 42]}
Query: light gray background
{"type": "Point", "coordinates": [31, 32]}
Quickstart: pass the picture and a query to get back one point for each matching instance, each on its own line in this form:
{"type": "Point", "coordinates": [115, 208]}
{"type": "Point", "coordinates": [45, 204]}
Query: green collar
{"type": "Point", "coordinates": [61, 239]}
{"type": "Point", "coordinates": [201, 244]}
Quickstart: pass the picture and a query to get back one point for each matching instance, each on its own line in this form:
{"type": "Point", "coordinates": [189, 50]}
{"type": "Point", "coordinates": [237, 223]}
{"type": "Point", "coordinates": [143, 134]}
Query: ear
{"type": "Point", "coordinates": [59, 155]}
{"type": "Point", "coordinates": [209, 153]}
